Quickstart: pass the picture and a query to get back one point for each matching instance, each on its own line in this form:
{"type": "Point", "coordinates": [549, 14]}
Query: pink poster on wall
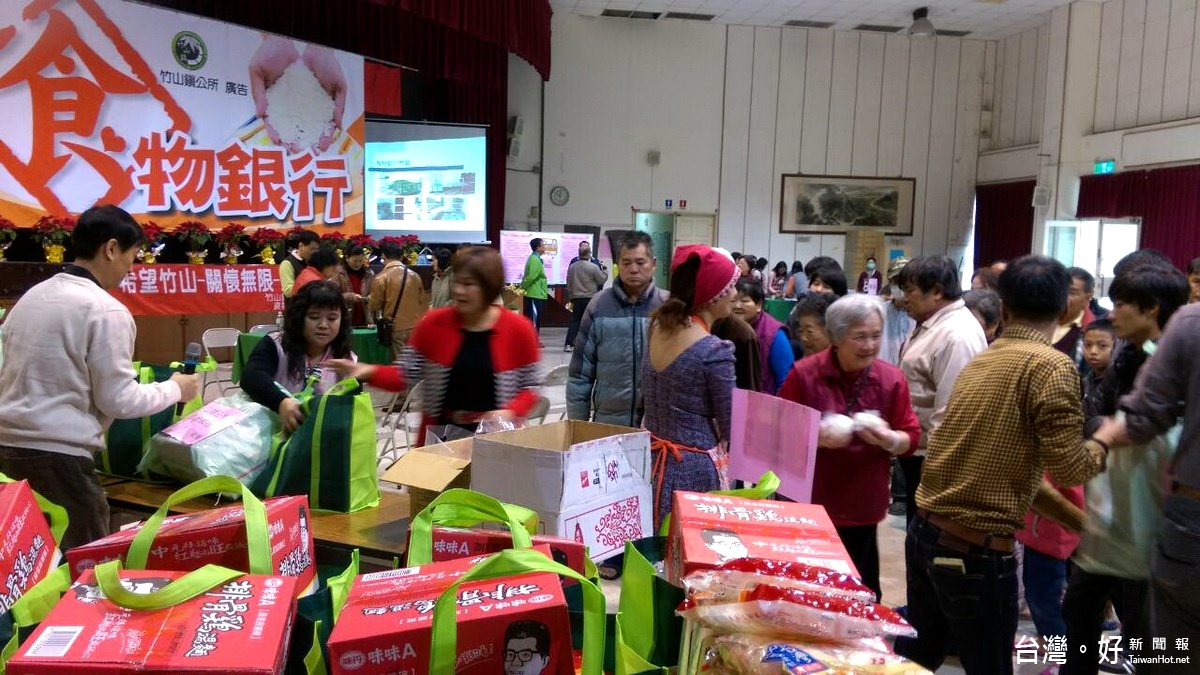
{"type": "Point", "coordinates": [773, 434]}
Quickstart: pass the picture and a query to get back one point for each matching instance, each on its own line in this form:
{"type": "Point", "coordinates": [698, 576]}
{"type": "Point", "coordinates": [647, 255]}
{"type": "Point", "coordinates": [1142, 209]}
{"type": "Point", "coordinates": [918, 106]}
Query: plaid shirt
{"type": "Point", "coordinates": [1014, 413]}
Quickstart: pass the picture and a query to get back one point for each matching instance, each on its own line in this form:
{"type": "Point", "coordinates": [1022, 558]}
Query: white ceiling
{"type": "Point", "coordinates": [986, 19]}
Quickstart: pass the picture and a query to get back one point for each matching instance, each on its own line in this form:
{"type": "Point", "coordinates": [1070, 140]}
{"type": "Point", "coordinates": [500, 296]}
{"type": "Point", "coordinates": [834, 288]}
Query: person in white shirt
{"type": "Point", "coordinates": [68, 373]}
{"type": "Point", "coordinates": [945, 339]}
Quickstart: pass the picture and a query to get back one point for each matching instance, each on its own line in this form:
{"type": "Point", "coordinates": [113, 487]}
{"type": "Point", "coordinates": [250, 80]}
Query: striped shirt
{"type": "Point", "coordinates": [1014, 413]}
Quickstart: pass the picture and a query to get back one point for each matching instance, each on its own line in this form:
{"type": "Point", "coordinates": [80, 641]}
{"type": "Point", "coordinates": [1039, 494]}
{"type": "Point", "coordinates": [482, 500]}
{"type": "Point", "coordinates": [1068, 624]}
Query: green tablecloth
{"type": "Point", "coordinates": [778, 308]}
{"type": "Point", "coordinates": [366, 347]}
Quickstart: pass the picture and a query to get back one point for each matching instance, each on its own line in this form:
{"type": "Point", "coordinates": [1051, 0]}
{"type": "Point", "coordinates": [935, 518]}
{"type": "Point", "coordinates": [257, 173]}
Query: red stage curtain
{"type": "Point", "coordinates": [1003, 221]}
{"type": "Point", "coordinates": [1167, 200]}
{"type": "Point", "coordinates": [381, 89]}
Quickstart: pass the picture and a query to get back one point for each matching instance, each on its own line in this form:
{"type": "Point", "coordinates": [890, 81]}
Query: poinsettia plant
{"type": "Point", "coordinates": [153, 232]}
{"type": "Point", "coordinates": [335, 239]}
{"type": "Point", "coordinates": [231, 235]}
{"type": "Point", "coordinates": [265, 236]}
{"type": "Point", "coordinates": [194, 234]}
{"type": "Point", "coordinates": [409, 243]}
{"type": "Point", "coordinates": [53, 230]}
{"type": "Point", "coordinates": [364, 240]}
{"type": "Point", "coordinates": [8, 230]}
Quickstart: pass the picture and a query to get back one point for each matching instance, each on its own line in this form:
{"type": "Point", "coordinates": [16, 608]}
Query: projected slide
{"type": "Point", "coordinates": [431, 183]}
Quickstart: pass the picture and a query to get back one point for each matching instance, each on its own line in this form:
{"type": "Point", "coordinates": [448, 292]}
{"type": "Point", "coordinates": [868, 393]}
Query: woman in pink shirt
{"type": "Point", "coordinates": [852, 471]}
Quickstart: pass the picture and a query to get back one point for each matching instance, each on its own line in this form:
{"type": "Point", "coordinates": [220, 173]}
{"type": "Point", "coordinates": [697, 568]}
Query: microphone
{"type": "Point", "coordinates": [191, 356]}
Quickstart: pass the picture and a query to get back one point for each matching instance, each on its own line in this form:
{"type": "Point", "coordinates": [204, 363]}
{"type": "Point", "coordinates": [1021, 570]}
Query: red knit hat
{"type": "Point", "coordinates": [717, 273]}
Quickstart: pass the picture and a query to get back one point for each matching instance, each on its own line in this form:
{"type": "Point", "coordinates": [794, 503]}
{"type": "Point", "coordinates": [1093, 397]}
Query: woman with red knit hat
{"type": "Point", "coordinates": [689, 377]}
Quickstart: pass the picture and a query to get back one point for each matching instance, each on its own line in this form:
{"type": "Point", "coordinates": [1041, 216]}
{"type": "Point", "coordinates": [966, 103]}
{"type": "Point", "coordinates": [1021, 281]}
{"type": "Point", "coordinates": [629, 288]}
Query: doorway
{"type": "Point", "coordinates": [1094, 245]}
{"type": "Point", "coordinates": [668, 230]}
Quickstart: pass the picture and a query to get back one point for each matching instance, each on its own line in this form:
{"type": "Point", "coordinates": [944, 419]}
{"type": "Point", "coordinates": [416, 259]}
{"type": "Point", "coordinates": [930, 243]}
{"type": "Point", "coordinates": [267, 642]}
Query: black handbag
{"type": "Point", "coordinates": [385, 326]}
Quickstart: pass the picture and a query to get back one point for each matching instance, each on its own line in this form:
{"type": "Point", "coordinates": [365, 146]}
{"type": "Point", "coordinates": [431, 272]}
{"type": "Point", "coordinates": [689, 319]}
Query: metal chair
{"type": "Point", "coordinates": [537, 414]}
{"type": "Point", "coordinates": [395, 417]}
{"type": "Point", "coordinates": [557, 377]}
{"type": "Point", "coordinates": [220, 338]}
{"type": "Point", "coordinates": [264, 328]}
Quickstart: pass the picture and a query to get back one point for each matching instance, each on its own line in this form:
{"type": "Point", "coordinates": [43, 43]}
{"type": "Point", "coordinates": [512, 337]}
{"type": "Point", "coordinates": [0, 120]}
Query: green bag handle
{"type": "Point", "coordinates": [181, 590]}
{"type": "Point", "coordinates": [258, 540]}
{"type": "Point", "coordinates": [314, 660]}
{"type": "Point", "coordinates": [339, 585]}
{"type": "Point", "coordinates": [444, 649]}
{"type": "Point", "coordinates": [767, 485]}
{"type": "Point", "coordinates": [637, 600]}
{"type": "Point", "coordinates": [459, 507]}
{"type": "Point", "coordinates": [32, 607]}
{"type": "Point", "coordinates": [206, 365]}
{"type": "Point", "coordinates": [628, 660]}
{"type": "Point", "coordinates": [55, 514]}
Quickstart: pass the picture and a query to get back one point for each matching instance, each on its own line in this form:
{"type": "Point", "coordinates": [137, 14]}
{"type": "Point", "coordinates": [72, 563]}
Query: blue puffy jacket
{"type": "Point", "coordinates": [605, 375]}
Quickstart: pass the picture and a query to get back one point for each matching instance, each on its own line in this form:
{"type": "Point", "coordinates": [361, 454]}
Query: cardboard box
{"type": "Point", "coordinates": [27, 548]}
{"type": "Point", "coordinates": [428, 471]}
{"type": "Point", "coordinates": [241, 626]}
{"type": "Point", "coordinates": [368, 588]}
{"type": "Point", "coordinates": [588, 482]}
{"type": "Point", "coordinates": [386, 625]}
{"type": "Point", "coordinates": [218, 536]}
{"type": "Point", "coordinates": [453, 542]}
{"type": "Point", "coordinates": [708, 529]}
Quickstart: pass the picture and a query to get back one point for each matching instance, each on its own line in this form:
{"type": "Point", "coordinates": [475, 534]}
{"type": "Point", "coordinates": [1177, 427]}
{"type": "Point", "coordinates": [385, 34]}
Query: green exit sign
{"type": "Point", "coordinates": [1106, 166]}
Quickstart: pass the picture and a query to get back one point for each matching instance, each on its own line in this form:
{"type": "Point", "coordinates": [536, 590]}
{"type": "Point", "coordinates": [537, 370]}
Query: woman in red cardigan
{"type": "Point", "coordinates": [477, 359]}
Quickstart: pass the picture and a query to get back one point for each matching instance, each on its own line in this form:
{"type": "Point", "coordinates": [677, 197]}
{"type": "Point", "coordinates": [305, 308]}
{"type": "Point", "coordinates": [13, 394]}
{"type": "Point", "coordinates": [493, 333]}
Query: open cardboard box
{"type": "Point", "coordinates": [587, 481]}
{"type": "Point", "coordinates": [431, 470]}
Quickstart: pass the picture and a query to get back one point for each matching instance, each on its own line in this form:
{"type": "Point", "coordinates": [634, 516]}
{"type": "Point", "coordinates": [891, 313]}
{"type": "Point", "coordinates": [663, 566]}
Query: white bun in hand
{"type": "Point", "coordinates": [869, 420]}
{"type": "Point", "coordinates": [838, 427]}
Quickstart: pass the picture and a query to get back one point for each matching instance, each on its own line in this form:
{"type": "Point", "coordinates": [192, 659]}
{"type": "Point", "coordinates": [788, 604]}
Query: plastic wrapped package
{"type": "Point", "coordinates": [230, 436]}
{"type": "Point", "coordinates": [727, 583]}
{"type": "Point", "coordinates": [756, 655]}
{"type": "Point", "coordinates": [793, 613]}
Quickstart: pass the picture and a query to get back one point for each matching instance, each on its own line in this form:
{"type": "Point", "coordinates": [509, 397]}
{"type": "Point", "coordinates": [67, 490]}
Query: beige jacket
{"type": "Point", "coordinates": [936, 352]}
{"type": "Point", "coordinates": [383, 295]}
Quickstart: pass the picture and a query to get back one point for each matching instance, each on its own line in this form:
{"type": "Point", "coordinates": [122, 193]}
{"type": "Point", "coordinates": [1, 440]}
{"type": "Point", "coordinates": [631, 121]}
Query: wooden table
{"type": "Point", "coordinates": [380, 533]}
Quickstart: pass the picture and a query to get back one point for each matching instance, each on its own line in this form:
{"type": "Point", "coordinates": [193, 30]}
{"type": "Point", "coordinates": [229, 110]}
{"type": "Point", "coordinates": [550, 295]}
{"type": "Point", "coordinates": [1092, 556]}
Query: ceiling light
{"type": "Point", "coordinates": [921, 26]}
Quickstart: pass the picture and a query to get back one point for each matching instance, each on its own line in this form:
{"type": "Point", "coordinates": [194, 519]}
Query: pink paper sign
{"type": "Point", "coordinates": [774, 434]}
{"type": "Point", "coordinates": [204, 422]}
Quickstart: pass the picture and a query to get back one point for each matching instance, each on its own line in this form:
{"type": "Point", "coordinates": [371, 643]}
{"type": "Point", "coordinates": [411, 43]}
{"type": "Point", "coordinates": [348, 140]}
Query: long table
{"type": "Point", "coordinates": [364, 343]}
{"type": "Point", "coordinates": [379, 533]}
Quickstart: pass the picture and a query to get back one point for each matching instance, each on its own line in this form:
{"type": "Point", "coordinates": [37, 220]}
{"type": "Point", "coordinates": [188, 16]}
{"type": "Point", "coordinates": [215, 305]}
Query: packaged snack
{"type": "Point", "coordinates": [792, 613]}
{"type": "Point", "coordinates": [753, 655]}
{"type": "Point", "coordinates": [730, 580]}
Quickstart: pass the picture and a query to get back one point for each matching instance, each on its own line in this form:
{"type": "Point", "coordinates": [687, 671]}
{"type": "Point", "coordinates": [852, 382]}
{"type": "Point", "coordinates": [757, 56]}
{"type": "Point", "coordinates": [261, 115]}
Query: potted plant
{"type": "Point", "coordinates": [195, 236]}
{"type": "Point", "coordinates": [229, 238]}
{"type": "Point", "coordinates": [153, 244]}
{"type": "Point", "coordinates": [8, 232]}
{"type": "Point", "coordinates": [52, 232]}
{"type": "Point", "coordinates": [335, 239]}
{"type": "Point", "coordinates": [366, 241]}
{"type": "Point", "coordinates": [267, 240]}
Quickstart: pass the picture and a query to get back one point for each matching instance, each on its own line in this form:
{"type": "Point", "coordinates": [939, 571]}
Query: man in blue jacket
{"type": "Point", "coordinates": [605, 375]}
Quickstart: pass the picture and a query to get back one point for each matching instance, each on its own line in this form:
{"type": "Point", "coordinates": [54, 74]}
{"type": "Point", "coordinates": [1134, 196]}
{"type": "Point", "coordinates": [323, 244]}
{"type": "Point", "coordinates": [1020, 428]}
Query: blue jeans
{"type": "Point", "coordinates": [1174, 595]}
{"type": "Point", "coordinates": [1045, 580]}
{"type": "Point", "coordinates": [969, 596]}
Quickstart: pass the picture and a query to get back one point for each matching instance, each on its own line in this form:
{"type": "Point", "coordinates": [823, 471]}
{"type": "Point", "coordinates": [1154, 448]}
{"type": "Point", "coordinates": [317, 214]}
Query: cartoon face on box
{"type": "Point", "coordinates": [513, 625]}
{"type": "Point", "coordinates": [706, 548]}
{"type": "Point", "coordinates": [190, 541]}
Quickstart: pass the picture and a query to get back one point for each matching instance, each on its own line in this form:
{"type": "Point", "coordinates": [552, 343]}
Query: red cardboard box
{"type": "Point", "coordinates": [27, 548]}
{"type": "Point", "coordinates": [453, 542]}
{"type": "Point", "coordinates": [386, 625]}
{"type": "Point", "coordinates": [218, 536]}
{"type": "Point", "coordinates": [240, 626]}
{"type": "Point", "coordinates": [708, 529]}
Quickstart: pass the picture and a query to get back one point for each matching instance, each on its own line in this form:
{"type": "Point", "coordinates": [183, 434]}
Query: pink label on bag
{"type": "Point", "coordinates": [205, 422]}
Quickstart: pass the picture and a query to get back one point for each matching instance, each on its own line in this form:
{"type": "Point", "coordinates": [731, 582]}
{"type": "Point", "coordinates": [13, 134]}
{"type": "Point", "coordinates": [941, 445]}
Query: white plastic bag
{"type": "Point", "coordinates": [240, 449]}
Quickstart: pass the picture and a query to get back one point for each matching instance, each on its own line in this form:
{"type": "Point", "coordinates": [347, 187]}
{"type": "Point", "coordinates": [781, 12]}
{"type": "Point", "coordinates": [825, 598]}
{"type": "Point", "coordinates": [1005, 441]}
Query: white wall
{"type": "Point", "coordinates": [1149, 63]}
{"type": "Point", "coordinates": [1014, 90]}
{"type": "Point", "coordinates": [618, 89]}
{"type": "Point", "coordinates": [847, 103]}
{"type": "Point", "coordinates": [731, 108]}
{"type": "Point", "coordinates": [521, 177]}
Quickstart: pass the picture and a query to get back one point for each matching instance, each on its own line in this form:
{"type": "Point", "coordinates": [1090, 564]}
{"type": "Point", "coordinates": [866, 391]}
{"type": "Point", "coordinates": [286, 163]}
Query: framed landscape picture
{"type": "Point", "coordinates": [841, 204]}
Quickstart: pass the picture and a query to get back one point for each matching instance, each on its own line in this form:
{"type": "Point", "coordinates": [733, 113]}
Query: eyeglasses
{"type": "Point", "coordinates": [522, 656]}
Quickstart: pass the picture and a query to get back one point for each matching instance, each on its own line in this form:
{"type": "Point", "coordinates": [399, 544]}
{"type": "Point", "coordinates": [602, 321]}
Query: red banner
{"type": "Point", "coordinates": [201, 289]}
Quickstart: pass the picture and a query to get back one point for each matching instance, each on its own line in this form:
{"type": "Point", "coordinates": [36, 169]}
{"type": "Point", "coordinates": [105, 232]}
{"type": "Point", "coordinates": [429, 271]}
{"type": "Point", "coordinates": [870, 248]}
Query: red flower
{"type": "Point", "coordinates": [231, 234]}
{"type": "Point", "coordinates": [153, 232]}
{"type": "Point", "coordinates": [265, 236]}
{"type": "Point", "coordinates": [364, 240]}
{"type": "Point", "coordinates": [194, 234]}
{"type": "Point", "coordinates": [52, 229]}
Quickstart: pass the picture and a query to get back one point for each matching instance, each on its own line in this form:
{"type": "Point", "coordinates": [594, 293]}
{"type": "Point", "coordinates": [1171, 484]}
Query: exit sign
{"type": "Point", "coordinates": [1106, 166]}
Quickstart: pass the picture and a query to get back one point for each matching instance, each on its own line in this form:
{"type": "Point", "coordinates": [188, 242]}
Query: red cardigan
{"type": "Point", "coordinates": [434, 345]}
{"type": "Point", "coordinates": [852, 482]}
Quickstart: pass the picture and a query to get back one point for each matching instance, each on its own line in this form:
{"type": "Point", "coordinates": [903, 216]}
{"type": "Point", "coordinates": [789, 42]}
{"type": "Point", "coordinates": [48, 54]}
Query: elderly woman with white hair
{"type": "Point", "coordinates": [852, 469]}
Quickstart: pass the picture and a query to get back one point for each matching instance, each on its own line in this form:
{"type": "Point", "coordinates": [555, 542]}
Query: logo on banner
{"type": "Point", "coordinates": [189, 50]}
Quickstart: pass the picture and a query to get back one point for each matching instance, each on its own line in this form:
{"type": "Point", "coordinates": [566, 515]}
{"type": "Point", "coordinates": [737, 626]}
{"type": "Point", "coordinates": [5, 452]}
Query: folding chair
{"type": "Point", "coordinates": [537, 414]}
{"type": "Point", "coordinates": [264, 328]}
{"type": "Point", "coordinates": [396, 417]}
{"type": "Point", "coordinates": [220, 338]}
{"type": "Point", "coordinates": [557, 377]}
